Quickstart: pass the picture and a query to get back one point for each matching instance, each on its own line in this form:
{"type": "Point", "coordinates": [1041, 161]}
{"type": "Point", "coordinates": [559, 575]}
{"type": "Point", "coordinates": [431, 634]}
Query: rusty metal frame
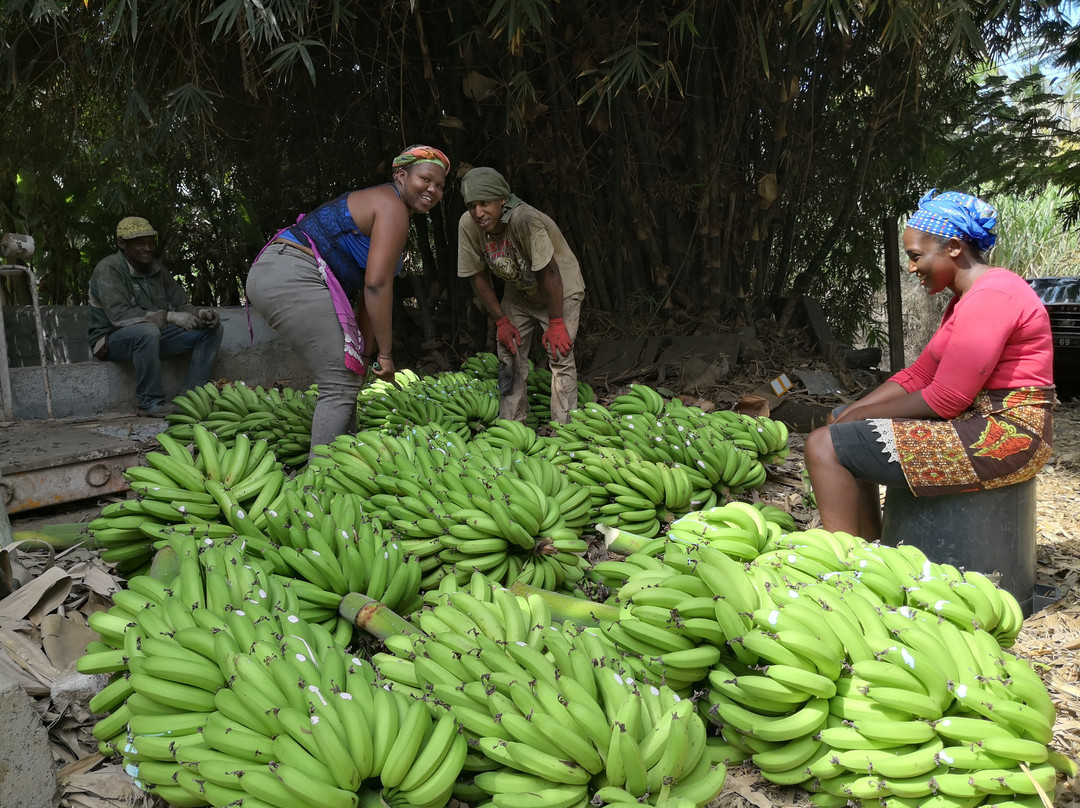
{"type": "Point", "coordinates": [92, 474]}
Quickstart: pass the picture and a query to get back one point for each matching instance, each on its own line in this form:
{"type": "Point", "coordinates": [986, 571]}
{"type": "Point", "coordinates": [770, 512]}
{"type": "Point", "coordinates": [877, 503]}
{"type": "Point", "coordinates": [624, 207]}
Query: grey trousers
{"type": "Point", "coordinates": [287, 289]}
{"type": "Point", "coordinates": [531, 322]}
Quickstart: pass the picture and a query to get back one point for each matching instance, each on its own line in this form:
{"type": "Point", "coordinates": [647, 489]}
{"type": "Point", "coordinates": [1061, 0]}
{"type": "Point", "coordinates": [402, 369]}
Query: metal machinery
{"type": "Point", "coordinates": [50, 462]}
{"type": "Point", "coordinates": [16, 247]}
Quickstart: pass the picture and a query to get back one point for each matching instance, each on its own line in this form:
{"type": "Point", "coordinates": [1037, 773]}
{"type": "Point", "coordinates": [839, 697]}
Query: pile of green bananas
{"type": "Point", "coordinates": [723, 451]}
{"type": "Point", "coordinates": [461, 507]}
{"type": "Point", "coordinates": [247, 703]}
{"type": "Point", "coordinates": [464, 401]}
{"type": "Point", "coordinates": [856, 671]}
{"type": "Point", "coordinates": [559, 719]}
{"type": "Point", "coordinates": [853, 670]}
{"type": "Point", "coordinates": [675, 434]}
{"type": "Point", "coordinates": [805, 667]}
{"type": "Point", "coordinates": [178, 492]}
{"type": "Point", "coordinates": [280, 417]}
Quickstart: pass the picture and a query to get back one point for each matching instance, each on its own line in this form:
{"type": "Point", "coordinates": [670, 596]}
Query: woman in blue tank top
{"type": "Point", "coordinates": [341, 259]}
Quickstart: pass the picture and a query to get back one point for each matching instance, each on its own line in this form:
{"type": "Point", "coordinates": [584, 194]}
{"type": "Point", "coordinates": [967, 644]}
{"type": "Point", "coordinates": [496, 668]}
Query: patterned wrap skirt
{"type": "Point", "coordinates": [1004, 438]}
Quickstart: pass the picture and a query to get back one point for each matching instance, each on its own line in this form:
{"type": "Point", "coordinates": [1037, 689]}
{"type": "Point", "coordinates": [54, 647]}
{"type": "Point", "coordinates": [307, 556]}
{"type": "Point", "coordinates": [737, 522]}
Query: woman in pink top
{"type": "Point", "coordinates": [975, 409]}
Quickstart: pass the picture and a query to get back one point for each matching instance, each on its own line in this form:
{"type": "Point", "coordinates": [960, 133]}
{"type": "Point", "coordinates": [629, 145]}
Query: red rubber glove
{"type": "Point", "coordinates": [556, 340]}
{"type": "Point", "coordinates": [508, 335]}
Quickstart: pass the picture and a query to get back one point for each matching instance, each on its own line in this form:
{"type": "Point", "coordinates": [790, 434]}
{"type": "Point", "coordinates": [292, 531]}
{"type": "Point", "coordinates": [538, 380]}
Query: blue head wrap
{"type": "Point", "coordinates": [955, 214]}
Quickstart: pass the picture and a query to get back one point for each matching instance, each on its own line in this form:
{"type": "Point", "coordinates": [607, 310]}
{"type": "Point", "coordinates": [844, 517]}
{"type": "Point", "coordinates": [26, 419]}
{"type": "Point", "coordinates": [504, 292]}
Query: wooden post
{"type": "Point", "coordinates": [893, 307]}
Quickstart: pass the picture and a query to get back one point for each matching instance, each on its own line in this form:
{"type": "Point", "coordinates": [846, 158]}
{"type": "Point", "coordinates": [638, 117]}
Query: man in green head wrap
{"type": "Point", "coordinates": [501, 235]}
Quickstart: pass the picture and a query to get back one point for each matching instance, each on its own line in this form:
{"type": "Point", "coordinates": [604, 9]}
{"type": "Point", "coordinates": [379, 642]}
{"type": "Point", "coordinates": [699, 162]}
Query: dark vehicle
{"type": "Point", "coordinates": [1061, 296]}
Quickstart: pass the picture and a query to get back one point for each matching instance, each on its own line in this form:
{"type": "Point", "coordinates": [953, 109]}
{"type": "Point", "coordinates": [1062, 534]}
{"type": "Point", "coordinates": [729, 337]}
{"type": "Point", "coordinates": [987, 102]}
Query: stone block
{"type": "Point", "coordinates": [27, 778]}
{"type": "Point", "coordinates": [85, 387]}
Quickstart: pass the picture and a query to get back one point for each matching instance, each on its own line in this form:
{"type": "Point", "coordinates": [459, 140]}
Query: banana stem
{"type": "Point", "coordinates": [620, 541]}
{"type": "Point", "coordinates": [371, 799]}
{"type": "Point", "coordinates": [60, 537]}
{"type": "Point", "coordinates": [568, 608]}
{"type": "Point", "coordinates": [624, 543]}
{"type": "Point", "coordinates": [369, 615]}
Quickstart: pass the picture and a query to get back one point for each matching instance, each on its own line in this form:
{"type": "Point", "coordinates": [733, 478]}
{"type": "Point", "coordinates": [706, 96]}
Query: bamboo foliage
{"type": "Point", "coordinates": [698, 154]}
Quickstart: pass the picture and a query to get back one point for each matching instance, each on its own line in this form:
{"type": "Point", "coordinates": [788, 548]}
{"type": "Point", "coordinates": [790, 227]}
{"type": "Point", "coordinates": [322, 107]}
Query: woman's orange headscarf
{"type": "Point", "coordinates": [422, 154]}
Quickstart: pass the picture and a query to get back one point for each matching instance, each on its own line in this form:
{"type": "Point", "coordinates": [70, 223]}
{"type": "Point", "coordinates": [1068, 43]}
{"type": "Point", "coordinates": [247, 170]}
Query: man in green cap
{"type": "Point", "coordinates": [524, 247]}
{"type": "Point", "coordinates": [139, 313]}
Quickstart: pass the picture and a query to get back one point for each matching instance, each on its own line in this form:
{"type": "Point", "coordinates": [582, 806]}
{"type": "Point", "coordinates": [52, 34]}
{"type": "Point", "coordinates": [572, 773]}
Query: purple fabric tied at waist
{"type": "Point", "coordinates": [354, 340]}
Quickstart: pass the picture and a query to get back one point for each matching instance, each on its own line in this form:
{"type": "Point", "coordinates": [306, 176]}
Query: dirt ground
{"type": "Point", "coordinates": [1050, 637]}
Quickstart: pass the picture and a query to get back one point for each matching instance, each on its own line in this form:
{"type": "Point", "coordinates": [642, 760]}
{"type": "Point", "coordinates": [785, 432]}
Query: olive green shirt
{"type": "Point", "coordinates": [528, 242]}
{"type": "Point", "coordinates": [120, 297]}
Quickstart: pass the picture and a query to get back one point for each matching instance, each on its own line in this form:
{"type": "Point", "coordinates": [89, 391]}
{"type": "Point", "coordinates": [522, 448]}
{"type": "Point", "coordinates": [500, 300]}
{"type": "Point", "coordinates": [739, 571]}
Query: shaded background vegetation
{"type": "Point", "coordinates": [699, 154]}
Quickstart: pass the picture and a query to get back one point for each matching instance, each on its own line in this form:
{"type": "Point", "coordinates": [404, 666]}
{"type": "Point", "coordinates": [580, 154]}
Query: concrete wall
{"type": "Point", "coordinates": [82, 386]}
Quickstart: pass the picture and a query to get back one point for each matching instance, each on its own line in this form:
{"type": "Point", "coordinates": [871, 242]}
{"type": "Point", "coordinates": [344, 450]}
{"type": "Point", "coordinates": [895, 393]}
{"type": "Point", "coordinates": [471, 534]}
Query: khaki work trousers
{"type": "Point", "coordinates": [532, 322]}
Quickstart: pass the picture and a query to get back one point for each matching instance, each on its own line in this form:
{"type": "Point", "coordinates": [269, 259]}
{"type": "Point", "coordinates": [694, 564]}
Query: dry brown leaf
{"type": "Point", "coordinates": [479, 87]}
{"type": "Point", "coordinates": [99, 580]}
{"type": "Point", "coordinates": [64, 640]}
{"type": "Point", "coordinates": [79, 766]}
{"type": "Point", "coordinates": [25, 676]}
{"type": "Point", "coordinates": [39, 597]}
{"type": "Point", "coordinates": [108, 787]}
{"type": "Point", "coordinates": [27, 655]}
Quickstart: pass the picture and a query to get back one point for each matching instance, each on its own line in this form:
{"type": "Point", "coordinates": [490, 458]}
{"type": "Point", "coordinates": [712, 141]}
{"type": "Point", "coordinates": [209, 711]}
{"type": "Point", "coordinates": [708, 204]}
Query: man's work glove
{"type": "Point", "coordinates": [186, 320]}
{"type": "Point", "coordinates": [556, 340]}
{"type": "Point", "coordinates": [208, 318]}
{"type": "Point", "coordinates": [509, 337]}
{"type": "Point", "coordinates": [158, 318]}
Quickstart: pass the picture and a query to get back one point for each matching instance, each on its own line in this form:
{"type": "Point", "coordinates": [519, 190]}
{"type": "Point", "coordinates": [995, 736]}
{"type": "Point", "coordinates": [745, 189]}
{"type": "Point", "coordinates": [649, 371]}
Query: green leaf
{"type": "Point", "coordinates": [283, 57]}
{"type": "Point", "coordinates": [225, 14]}
{"type": "Point", "coordinates": [763, 50]}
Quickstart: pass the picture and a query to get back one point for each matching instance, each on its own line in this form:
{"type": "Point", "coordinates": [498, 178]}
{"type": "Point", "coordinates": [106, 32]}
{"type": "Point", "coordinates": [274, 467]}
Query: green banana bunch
{"type": "Point", "coordinates": [902, 576]}
{"type": "Point", "coordinates": [736, 529]}
{"type": "Point", "coordinates": [640, 399]}
{"type": "Point", "coordinates": [630, 493]}
{"type": "Point", "coordinates": [766, 437]}
{"type": "Point", "coordinates": [555, 707]}
{"type": "Point", "coordinates": [590, 424]}
{"type": "Point", "coordinates": [177, 492]}
{"type": "Point", "coordinates": [328, 541]}
{"type": "Point", "coordinates": [281, 417]}
{"type": "Point", "coordinates": [483, 365]}
{"type": "Point", "coordinates": [460, 508]}
{"type": "Point", "coordinates": [909, 692]}
{"type": "Point", "coordinates": [504, 432]}
{"type": "Point", "coordinates": [397, 409]}
{"type": "Point", "coordinates": [778, 516]}
{"type": "Point", "coordinates": [244, 697]}
{"type": "Point", "coordinates": [471, 402]}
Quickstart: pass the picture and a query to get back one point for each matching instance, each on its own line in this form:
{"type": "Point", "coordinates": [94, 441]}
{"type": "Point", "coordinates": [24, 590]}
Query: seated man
{"type": "Point", "coordinates": [140, 313]}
